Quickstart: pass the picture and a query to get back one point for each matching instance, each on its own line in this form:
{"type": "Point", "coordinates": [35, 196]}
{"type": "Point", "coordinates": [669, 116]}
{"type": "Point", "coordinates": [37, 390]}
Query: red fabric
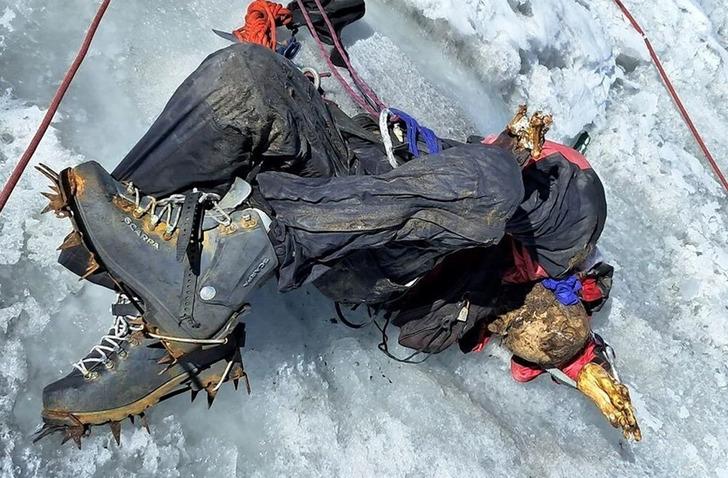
{"type": "Point", "coordinates": [590, 291]}
{"type": "Point", "coordinates": [551, 147]}
{"type": "Point", "coordinates": [522, 372]}
{"type": "Point", "coordinates": [524, 269]}
{"type": "Point", "coordinates": [484, 340]}
{"type": "Point", "coordinates": [571, 155]}
{"type": "Point", "coordinates": [573, 368]}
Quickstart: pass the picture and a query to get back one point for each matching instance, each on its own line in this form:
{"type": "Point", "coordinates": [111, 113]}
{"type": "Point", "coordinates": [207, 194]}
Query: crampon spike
{"type": "Point", "coordinates": [44, 432]}
{"type": "Point", "coordinates": [131, 419]}
{"type": "Point", "coordinates": [71, 240]}
{"type": "Point", "coordinates": [48, 172]}
{"type": "Point", "coordinates": [211, 398]}
{"type": "Point", "coordinates": [56, 201]}
{"type": "Point", "coordinates": [76, 433]}
{"type": "Point", "coordinates": [145, 423]}
{"type": "Point", "coordinates": [194, 395]}
{"type": "Point", "coordinates": [167, 359]}
{"type": "Point", "coordinates": [92, 267]}
{"type": "Point", "coordinates": [116, 431]}
{"type": "Point", "coordinates": [236, 382]}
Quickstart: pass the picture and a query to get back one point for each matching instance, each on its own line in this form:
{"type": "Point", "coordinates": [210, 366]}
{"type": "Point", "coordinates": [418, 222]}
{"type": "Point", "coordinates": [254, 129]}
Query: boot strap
{"type": "Point", "coordinates": [188, 250]}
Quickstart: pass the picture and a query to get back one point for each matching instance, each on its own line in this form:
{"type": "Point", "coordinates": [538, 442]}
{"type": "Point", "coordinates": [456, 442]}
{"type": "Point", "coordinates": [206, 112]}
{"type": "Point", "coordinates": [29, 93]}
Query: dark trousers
{"type": "Point", "coordinates": [248, 112]}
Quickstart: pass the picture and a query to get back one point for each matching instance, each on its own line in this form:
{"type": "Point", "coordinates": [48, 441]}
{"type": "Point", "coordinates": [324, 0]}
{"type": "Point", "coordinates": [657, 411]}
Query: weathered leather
{"type": "Point", "coordinates": [234, 259]}
{"type": "Point", "coordinates": [133, 377]}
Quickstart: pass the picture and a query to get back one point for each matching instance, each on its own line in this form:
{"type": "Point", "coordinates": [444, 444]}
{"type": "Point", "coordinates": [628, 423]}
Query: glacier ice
{"type": "Point", "coordinates": [325, 402]}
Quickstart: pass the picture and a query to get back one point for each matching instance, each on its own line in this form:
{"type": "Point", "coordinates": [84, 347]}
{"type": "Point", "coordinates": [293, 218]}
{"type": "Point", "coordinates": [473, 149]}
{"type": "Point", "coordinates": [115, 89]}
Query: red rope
{"type": "Point", "coordinates": [676, 98]}
{"type": "Point", "coordinates": [55, 103]}
{"type": "Point", "coordinates": [363, 86]}
{"type": "Point", "coordinates": [261, 21]}
{"type": "Point", "coordinates": [359, 100]}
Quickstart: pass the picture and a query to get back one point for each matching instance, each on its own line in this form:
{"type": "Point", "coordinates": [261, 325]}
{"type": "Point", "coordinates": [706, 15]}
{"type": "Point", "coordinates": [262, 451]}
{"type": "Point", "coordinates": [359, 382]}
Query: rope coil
{"type": "Point", "coordinates": [261, 21]}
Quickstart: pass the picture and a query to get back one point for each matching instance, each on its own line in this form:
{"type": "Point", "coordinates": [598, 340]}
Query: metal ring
{"type": "Point", "coordinates": [313, 75]}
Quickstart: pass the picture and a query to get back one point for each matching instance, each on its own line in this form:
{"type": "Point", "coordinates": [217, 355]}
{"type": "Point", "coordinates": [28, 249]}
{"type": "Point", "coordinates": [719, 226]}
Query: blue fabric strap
{"type": "Point", "coordinates": [565, 290]}
{"type": "Point", "coordinates": [414, 131]}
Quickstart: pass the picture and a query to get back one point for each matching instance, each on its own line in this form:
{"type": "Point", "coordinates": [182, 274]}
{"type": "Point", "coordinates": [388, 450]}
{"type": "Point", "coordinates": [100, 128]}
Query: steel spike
{"type": "Point", "coordinates": [51, 196]}
{"type": "Point", "coordinates": [210, 398]}
{"type": "Point", "coordinates": [77, 439]}
{"type": "Point", "coordinates": [89, 272]}
{"type": "Point", "coordinates": [247, 383]}
{"type": "Point", "coordinates": [71, 240]}
{"type": "Point", "coordinates": [145, 424]}
{"type": "Point", "coordinates": [116, 431]}
{"type": "Point", "coordinates": [167, 359]}
{"type": "Point", "coordinates": [236, 381]}
{"type": "Point", "coordinates": [131, 419]}
{"type": "Point", "coordinates": [47, 172]}
{"type": "Point", "coordinates": [44, 432]}
{"type": "Point", "coordinates": [194, 395]}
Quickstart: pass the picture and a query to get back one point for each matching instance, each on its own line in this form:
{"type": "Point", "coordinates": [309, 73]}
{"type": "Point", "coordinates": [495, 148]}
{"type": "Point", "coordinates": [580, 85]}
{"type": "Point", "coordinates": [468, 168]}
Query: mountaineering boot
{"type": "Point", "coordinates": [189, 260]}
{"type": "Point", "coordinates": [183, 267]}
{"type": "Point", "coordinates": [127, 373]}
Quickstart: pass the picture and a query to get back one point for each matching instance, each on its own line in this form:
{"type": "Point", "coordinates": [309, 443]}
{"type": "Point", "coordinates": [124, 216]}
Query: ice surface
{"type": "Point", "coordinates": [325, 402]}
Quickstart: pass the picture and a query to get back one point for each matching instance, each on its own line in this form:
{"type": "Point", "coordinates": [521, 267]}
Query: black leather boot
{"type": "Point", "coordinates": [183, 267]}
{"type": "Point", "coordinates": [128, 373]}
{"type": "Point", "coordinates": [191, 260]}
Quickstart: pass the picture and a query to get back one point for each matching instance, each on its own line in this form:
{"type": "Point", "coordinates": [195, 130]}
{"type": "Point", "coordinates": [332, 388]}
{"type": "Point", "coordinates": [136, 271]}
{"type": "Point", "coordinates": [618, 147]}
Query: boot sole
{"type": "Point", "coordinates": [167, 390]}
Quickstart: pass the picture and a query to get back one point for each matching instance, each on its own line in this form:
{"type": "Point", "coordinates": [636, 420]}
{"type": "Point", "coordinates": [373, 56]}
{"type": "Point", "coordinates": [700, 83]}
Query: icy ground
{"type": "Point", "coordinates": [325, 402]}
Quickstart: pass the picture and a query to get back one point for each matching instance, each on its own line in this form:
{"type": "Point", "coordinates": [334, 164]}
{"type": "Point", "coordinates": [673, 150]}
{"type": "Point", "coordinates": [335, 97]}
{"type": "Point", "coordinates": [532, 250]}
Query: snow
{"type": "Point", "coordinates": [325, 402]}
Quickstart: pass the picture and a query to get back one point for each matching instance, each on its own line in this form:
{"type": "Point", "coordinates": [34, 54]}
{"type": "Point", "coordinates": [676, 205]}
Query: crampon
{"type": "Point", "coordinates": [182, 268]}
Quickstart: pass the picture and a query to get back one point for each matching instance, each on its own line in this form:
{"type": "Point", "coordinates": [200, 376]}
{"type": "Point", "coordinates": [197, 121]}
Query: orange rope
{"type": "Point", "coordinates": [261, 21]}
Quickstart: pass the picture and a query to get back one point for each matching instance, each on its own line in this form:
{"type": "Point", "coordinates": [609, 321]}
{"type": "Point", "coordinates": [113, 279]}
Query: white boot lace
{"type": "Point", "coordinates": [169, 209]}
{"type": "Point", "coordinates": [110, 343]}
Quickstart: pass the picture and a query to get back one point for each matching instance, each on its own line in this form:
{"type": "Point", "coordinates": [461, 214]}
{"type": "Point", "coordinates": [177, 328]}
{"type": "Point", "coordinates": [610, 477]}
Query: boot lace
{"type": "Point", "coordinates": [110, 343]}
{"type": "Point", "coordinates": [169, 209]}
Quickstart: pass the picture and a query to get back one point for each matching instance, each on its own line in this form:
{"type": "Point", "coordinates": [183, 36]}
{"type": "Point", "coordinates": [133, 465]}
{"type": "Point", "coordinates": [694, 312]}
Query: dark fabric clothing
{"type": "Point", "coordinates": [342, 217]}
{"type": "Point", "coordinates": [407, 218]}
{"type": "Point", "coordinates": [469, 279]}
{"type": "Point", "coordinates": [562, 214]}
{"type": "Point", "coordinates": [245, 108]}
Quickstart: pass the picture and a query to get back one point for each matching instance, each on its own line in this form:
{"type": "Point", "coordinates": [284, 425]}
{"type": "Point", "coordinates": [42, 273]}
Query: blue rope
{"type": "Point", "coordinates": [565, 290]}
{"type": "Point", "coordinates": [414, 130]}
